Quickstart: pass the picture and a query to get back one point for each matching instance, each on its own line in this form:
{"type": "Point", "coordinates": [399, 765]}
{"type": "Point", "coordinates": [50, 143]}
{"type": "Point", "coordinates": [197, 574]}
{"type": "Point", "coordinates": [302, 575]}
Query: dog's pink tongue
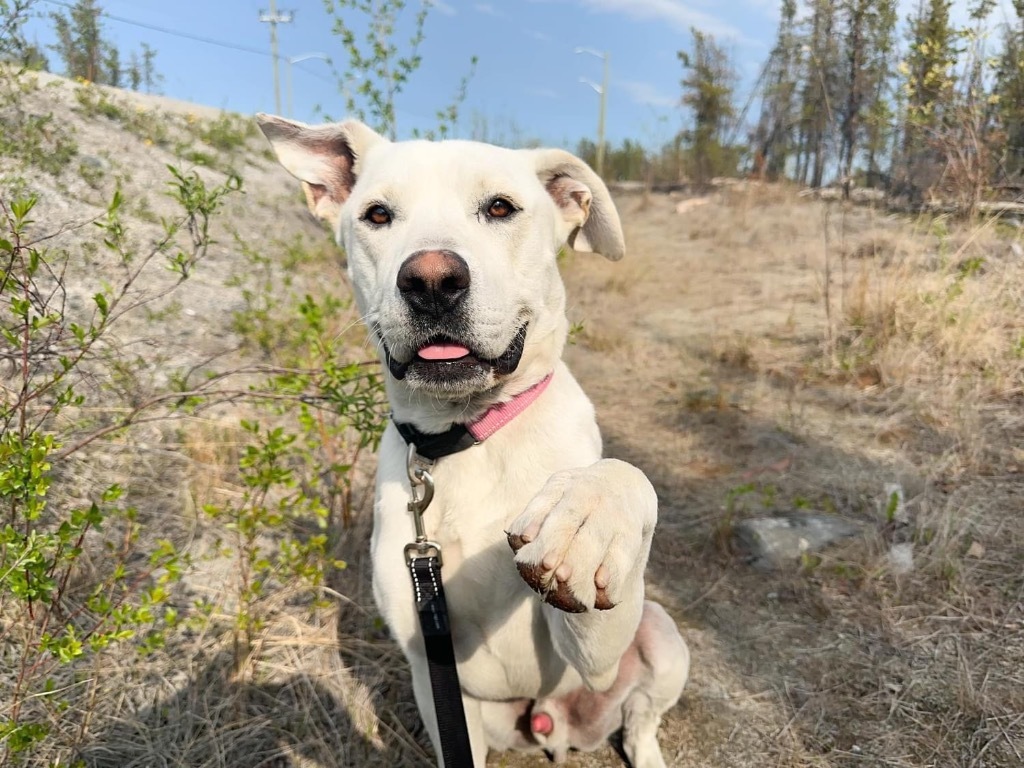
{"type": "Point", "coordinates": [542, 723]}
{"type": "Point", "coordinates": [443, 352]}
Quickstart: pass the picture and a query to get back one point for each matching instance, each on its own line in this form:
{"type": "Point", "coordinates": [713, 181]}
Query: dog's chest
{"type": "Point", "coordinates": [500, 634]}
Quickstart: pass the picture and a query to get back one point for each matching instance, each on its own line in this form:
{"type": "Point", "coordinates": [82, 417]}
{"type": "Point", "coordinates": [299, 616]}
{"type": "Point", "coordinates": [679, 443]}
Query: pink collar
{"type": "Point", "coordinates": [459, 437]}
{"type": "Point", "coordinates": [501, 414]}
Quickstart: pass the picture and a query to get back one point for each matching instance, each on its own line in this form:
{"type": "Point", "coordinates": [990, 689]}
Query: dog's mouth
{"type": "Point", "coordinates": [444, 362]}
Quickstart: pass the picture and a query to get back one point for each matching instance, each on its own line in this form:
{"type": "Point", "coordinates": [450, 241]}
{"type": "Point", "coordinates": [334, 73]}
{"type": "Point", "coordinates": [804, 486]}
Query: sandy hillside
{"type": "Point", "coordinates": [716, 365]}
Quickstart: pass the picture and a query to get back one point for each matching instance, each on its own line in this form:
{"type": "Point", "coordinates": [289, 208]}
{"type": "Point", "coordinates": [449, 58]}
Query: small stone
{"type": "Point", "coordinates": [976, 550]}
{"type": "Point", "coordinates": [901, 557]}
{"type": "Point", "coordinates": [778, 542]}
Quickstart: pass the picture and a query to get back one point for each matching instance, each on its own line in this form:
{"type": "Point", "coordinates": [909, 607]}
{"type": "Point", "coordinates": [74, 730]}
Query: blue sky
{"type": "Point", "coordinates": [527, 83]}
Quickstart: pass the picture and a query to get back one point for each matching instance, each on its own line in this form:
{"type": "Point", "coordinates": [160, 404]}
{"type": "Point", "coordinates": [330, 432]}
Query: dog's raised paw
{"type": "Point", "coordinates": [584, 538]}
{"type": "Point", "coordinates": [545, 583]}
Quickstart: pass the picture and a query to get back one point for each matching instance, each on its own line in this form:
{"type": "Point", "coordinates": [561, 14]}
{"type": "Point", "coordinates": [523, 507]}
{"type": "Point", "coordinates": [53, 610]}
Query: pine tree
{"type": "Point", "coordinates": [880, 112]}
{"type": "Point", "coordinates": [80, 41]}
{"type": "Point", "coordinates": [1009, 95]}
{"type": "Point", "coordinates": [112, 66]}
{"type": "Point", "coordinates": [867, 40]}
{"type": "Point", "coordinates": [88, 55]}
{"type": "Point", "coordinates": [150, 77]}
{"type": "Point", "coordinates": [928, 82]}
{"type": "Point", "coordinates": [708, 91]}
{"type": "Point", "coordinates": [134, 71]}
{"type": "Point", "coordinates": [773, 138]}
{"type": "Point", "coordinates": [818, 96]}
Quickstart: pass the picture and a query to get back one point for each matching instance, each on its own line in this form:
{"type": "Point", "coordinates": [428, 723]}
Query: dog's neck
{"type": "Point", "coordinates": [459, 437]}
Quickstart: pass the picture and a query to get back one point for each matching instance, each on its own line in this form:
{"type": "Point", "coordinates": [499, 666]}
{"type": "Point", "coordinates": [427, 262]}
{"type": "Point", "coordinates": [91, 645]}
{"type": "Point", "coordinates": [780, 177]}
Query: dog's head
{"type": "Point", "coordinates": [452, 249]}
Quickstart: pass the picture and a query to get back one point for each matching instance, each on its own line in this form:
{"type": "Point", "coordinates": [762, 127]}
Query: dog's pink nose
{"type": "Point", "coordinates": [542, 724]}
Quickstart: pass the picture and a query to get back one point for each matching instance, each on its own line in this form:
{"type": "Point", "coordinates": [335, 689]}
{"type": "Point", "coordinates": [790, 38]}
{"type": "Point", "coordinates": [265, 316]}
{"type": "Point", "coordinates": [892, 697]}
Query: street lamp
{"type": "Point", "coordinates": [602, 90]}
{"type": "Point", "coordinates": [295, 60]}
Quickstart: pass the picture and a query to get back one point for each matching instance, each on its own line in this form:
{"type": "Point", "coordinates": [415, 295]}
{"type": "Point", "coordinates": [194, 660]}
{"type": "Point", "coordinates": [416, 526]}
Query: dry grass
{"type": "Point", "coordinates": [746, 397]}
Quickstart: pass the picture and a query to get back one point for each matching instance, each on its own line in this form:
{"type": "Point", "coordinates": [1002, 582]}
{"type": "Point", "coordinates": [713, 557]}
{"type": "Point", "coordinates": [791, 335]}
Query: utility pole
{"type": "Point", "coordinates": [273, 18]}
{"type": "Point", "coordinates": [600, 122]}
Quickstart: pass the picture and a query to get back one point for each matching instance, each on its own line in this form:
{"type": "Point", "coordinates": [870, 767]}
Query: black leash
{"type": "Point", "coordinates": [424, 560]}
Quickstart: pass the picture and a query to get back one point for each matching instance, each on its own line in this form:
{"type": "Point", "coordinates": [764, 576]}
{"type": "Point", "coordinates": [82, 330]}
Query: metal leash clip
{"type": "Point", "coordinates": [420, 479]}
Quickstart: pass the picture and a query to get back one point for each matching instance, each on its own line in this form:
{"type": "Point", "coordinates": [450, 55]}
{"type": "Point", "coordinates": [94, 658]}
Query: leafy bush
{"type": "Point", "coordinates": [51, 615]}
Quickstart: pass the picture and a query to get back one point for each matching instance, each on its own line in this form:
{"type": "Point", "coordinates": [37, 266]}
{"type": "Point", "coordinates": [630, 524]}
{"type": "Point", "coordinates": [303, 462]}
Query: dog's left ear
{"type": "Point", "coordinates": [584, 201]}
{"type": "Point", "coordinates": [325, 158]}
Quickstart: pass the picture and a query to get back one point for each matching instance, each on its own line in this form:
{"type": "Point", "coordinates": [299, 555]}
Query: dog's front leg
{"type": "Point", "coordinates": [425, 703]}
{"type": "Point", "coordinates": [583, 543]}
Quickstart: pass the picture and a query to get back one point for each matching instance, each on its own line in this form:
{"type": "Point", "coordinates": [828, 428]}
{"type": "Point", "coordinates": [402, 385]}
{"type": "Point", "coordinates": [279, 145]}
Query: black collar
{"type": "Point", "coordinates": [453, 440]}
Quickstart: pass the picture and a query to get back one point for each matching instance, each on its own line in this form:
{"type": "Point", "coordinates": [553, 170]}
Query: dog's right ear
{"type": "Point", "coordinates": [325, 158]}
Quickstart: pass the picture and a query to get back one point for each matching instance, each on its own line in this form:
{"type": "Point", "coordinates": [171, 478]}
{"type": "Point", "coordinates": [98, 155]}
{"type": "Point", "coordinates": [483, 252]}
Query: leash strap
{"type": "Point", "coordinates": [444, 676]}
{"type": "Point", "coordinates": [423, 557]}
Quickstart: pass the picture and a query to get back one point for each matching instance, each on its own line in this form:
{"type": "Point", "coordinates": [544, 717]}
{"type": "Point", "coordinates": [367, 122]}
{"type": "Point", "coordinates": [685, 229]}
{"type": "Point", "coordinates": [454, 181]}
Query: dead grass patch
{"type": "Point", "coordinates": [864, 662]}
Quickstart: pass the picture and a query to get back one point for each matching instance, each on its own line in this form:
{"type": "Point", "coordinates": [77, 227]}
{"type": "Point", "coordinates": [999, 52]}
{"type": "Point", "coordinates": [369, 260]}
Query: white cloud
{"type": "Point", "coordinates": [680, 15]}
{"type": "Point", "coordinates": [647, 94]}
{"type": "Point", "coordinates": [487, 9]}
{"type": "Point", "coordinates": [441, 7]}
{"type": "Point", "coordinates": [537, 35]}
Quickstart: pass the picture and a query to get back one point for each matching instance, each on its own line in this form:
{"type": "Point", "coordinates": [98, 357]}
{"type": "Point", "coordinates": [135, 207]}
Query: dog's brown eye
{"type": "Point", "coordinates": [377, 214]}
{"type": "Point", "coordinates": [500, 208]}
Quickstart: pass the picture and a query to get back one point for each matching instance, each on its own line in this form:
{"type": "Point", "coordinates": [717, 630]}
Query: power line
{"type": "Point", "coordinates": [187, 36]}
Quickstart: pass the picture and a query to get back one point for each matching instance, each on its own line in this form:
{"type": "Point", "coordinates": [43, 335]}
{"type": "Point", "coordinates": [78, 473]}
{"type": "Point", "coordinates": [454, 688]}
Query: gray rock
{"type": "Point", "coordinates": [778, 542]}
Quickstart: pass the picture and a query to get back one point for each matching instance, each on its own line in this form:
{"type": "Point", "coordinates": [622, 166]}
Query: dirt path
{"type": "Point", "coordinates": [698, 351]}
{"type": "Point", "coordinates": [664, 355]}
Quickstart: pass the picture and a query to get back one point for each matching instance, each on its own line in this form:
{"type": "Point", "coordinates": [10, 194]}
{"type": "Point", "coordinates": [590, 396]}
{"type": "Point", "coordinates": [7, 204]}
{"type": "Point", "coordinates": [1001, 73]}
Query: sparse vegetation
{"type": "Point", "coordinates": [49, 615]}
{"type": "Point", "coordinates": [379, 69]}
{"type": "Point", "coordinates": [746, 414]}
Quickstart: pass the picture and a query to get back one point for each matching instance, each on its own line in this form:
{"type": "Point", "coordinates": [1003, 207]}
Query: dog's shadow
{"type": "Point", "coordinates": [349, 703]}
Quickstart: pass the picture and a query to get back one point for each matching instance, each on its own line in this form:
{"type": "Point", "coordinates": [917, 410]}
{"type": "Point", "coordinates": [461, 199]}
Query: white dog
{"type": "Point", "coordinates": [452, 251]}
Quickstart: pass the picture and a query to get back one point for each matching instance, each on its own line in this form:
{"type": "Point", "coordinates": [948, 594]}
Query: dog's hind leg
{"type": "Point", "coordinates": [666, 660]}
{"type": "Point", "coordinates": [640, 732]}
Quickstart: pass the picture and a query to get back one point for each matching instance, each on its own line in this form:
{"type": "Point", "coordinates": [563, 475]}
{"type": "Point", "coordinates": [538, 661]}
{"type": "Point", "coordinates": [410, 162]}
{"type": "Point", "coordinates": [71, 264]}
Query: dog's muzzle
{"type": "Point", "coordinates": [441, 357]}
{"type": "Point", "coordinates": [444, 363]}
